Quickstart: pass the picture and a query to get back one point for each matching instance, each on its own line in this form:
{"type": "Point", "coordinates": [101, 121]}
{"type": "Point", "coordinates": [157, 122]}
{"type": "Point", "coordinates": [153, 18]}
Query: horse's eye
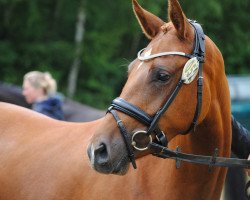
{"type": "Point", "coordinates": [163, 77]}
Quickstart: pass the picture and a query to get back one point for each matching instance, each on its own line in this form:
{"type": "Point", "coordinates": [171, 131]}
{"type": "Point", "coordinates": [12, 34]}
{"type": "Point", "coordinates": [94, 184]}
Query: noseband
{"type": "Point", "coordinates": [190, 71]}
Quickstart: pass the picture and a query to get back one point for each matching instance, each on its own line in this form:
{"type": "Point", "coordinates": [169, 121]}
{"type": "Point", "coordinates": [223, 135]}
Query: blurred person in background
{"type": "Point", "coordinates": [39, 89]}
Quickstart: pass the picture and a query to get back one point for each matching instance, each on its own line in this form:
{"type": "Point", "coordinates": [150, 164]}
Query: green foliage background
{"type": "Point", "coordinates": [39, 35]}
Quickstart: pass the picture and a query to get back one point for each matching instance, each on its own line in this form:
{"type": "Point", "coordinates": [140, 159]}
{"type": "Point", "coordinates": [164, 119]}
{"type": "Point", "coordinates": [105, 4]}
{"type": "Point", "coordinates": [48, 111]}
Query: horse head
{"type": "Point", "coordinates": [154, 78]}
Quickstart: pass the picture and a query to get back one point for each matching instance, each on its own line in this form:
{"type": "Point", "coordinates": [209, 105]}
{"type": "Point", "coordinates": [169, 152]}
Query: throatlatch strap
{"type": "Point", "coordinates": [199, 101]}
{"type": "Point", "coordinates": [199, 52]}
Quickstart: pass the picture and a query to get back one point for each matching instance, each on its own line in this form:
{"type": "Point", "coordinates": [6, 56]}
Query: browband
{"type": "Point", "coordinates": [171, 53]}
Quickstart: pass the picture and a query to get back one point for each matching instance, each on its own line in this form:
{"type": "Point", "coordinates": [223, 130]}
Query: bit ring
{"type": "Point", "coordinates": [134, 143]}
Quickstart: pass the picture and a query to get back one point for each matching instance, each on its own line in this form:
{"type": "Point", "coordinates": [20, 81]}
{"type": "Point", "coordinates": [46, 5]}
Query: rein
{"type": "Point", "coordinates": [192, 68]}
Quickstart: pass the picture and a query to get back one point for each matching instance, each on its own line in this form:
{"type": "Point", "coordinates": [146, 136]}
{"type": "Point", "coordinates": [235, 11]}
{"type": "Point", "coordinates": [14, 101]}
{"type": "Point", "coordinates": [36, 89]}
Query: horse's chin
{"type": "Point", "coordinates": [119, 168]}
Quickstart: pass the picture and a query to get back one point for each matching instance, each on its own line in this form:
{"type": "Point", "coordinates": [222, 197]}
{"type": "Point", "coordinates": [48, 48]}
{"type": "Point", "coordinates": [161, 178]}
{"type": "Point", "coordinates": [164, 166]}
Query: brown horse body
{"type": "Point", "coordinates": [44, 159]}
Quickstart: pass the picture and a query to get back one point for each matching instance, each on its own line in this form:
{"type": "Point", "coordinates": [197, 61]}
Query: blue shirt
{"type": "Point", "coordinates": [51, 107]}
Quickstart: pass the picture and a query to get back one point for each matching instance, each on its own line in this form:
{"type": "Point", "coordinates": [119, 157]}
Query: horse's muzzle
{"type": "Point", "coordinates": [99, 158]}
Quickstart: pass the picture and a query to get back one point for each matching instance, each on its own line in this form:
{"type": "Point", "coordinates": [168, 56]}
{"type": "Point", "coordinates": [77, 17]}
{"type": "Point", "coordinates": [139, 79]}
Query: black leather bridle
{"type": "Point", "coordinates": [159, 146]}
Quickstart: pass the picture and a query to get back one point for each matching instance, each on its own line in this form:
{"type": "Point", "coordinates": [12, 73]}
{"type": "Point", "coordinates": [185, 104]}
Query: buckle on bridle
{"type": "Point", "coordinates": [161, 138]}
{"type": "Point", "coordinates": [142, 133]}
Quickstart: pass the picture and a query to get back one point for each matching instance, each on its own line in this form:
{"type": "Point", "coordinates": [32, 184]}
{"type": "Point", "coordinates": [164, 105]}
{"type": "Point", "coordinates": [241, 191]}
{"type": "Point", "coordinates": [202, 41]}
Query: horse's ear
{"type": "Point", "coordinates": [150, 23]}
{"type": "Point", "coordinates": [178, 18]}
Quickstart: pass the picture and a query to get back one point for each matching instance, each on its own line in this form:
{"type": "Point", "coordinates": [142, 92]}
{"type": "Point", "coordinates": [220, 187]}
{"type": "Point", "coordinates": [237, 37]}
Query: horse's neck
{"type": "Point", "coordinates": [213, 132]}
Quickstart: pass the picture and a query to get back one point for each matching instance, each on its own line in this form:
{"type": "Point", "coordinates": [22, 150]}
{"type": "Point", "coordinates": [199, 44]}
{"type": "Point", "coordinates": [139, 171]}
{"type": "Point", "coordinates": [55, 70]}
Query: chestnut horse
{"type": "Point", "coordinates": [152, 80]}
{"type": "Point", "coordinates": [45, 159]}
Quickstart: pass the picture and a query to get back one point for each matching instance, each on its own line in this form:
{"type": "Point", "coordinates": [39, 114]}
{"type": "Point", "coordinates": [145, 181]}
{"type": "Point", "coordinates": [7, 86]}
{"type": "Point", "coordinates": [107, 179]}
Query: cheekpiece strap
{"type": "Point", "coordinates": [199, 44]}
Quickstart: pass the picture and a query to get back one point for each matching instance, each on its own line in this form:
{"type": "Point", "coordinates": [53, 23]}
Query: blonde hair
{"type": "Point", "coordinates": [42, 80]}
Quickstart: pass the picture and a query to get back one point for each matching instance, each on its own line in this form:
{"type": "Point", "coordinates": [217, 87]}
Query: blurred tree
{"type": "Point", "coordinates": [74, 70]}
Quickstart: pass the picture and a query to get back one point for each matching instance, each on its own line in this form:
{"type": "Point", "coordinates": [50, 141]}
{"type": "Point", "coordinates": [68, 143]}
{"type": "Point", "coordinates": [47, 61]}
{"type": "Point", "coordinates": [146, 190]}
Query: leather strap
{"type": "Point", "coordinates": [199, 44]}
{"type": "Point", "coordinates": [131, 110]}
{"type": "Point", "coordinates": [126, 137]}
{"type": "Point", "coordinates": [199, 101]}
{"type": "Point", "coordinates": [170, 53]}
{"type": "Point", "coordinates": [211, 161]}
{"type": "Point", "coordinates": [199, 52]}
{"type": "Point", "coordinates": [165, 107]}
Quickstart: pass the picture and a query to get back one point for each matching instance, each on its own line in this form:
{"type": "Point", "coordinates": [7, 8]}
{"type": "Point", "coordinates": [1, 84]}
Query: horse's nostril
{"type": "Point", "coordinates": [101, 153]}
{"type": "Point", "coordinates": [100, 148]}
